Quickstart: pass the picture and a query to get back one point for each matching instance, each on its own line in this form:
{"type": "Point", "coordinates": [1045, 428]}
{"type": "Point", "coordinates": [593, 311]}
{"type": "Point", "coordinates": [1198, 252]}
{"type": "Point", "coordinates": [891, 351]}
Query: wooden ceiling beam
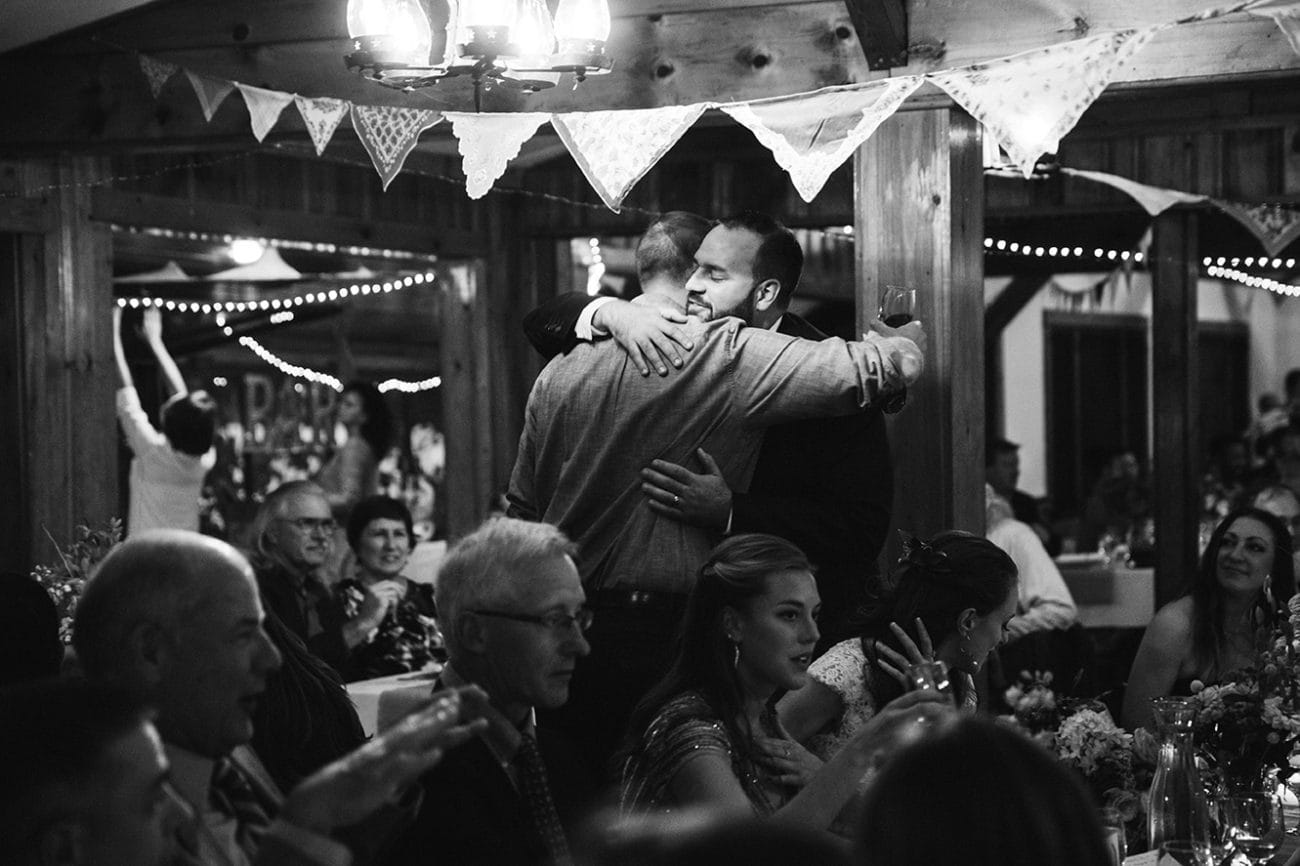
{"type": "Point", "coordinates": [882, 31]}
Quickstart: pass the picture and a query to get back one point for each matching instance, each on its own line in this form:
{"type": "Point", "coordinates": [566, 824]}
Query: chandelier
{"type": "Point", "coordinates": [408, 44]}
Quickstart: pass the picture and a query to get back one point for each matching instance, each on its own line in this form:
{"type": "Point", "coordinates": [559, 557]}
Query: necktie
{"type": "Point", "coordinates": [541, 808]}
{"type": "Point", "coordinates": [233, 796]}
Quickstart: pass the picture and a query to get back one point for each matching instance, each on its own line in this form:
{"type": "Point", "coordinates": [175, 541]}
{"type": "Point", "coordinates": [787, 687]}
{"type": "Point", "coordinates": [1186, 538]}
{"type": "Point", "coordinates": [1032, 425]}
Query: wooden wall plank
{"type": "Point", "coordinates": [920, 223]}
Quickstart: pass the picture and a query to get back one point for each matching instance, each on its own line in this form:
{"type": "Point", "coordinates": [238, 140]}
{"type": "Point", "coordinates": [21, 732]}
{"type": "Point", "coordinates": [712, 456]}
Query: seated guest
{"type": "Point", "coordinates": [1239, 592]}
{"type": "Point", "coordinates": [980, 795]}
{"type": "Point", "coordinates": [30, 646]}
{"type": "Point", "coordinates": [1044, 635]}
{"type": "Point", "coordinates": [85, 778]}
{"type": "Point", "coordinates": [175, 616]}
{"type": "Point", "coordinates": [749, 632]}
{"type": "Point", "coordinates": [293, 538]}
{"type": "Point", "coordinates": [393, 616]}
{"type": "Point", "coordinates": [513, 616]}
{"type": "Point", "coordinates": [1002, 473]}
{"type": "Point", "coordinates": [950, 600]}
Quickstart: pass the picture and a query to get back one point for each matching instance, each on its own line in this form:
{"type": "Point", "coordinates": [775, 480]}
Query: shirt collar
{"type": "Point", "coordinates": [191, 774]}
{"type": "Point", "coordinates": [501, 736]}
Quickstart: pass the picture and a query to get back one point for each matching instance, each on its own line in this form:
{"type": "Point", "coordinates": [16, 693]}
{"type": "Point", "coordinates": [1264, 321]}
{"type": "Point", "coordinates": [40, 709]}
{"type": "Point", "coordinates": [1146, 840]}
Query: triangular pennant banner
{"type": "Point", "coordinates": [157, 72]}
{"type": "Point", "coordinates": [488, 142]}
{"type": "Point", "coordinates": [389, 133]}
{"type": "Point", "coordinates": [264, 107]}
{"type": "Point", "coordinates": [1274, 225]}
{"type": "Point", "coordinates": [1286, 15]}
{"type": "Point", "coordinates": [813, 134]}
{"type": "Point", "coordinates": [1029, 101]}
{"type": "Point", "coordinates": [615, 149]}
{"type": "Point", "coordinates": [210, 91]}
{"type": "Point", "coordinates": [1154, 200]}
{"type": "Point", "coordinates": [322, 117]}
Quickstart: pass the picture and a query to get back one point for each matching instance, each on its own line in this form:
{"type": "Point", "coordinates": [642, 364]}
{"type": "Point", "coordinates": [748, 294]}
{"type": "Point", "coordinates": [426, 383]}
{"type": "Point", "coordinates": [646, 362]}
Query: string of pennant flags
{"type": "Point", "coordinates": [1027, 102]}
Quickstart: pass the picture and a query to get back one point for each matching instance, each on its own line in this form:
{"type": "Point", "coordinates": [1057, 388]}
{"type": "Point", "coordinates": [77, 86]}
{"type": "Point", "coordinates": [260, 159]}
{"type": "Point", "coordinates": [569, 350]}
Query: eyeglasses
{"type": "Point", "coordinates": [325, 525]}
{"type": "Point", "coordinates": [557, 622]}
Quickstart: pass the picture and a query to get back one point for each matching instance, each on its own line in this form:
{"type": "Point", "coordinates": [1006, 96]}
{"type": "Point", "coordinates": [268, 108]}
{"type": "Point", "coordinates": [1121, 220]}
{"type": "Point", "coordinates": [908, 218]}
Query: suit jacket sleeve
{"type": "Point", "coordinates": [849, 522]}
{"type": "Point", "coordinates": [549, 328]}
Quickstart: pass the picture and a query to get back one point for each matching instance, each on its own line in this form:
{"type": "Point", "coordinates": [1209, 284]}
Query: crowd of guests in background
{"type": "Point", "coordinates": [676, 649]}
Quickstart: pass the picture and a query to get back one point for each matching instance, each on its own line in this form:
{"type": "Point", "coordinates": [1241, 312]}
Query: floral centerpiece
{"type": "Point", "coordinates": [1115, 765]}
{"type": "Point", "coordinates": [1248, 725]}
{"type": "Point", "coordinates": [65, 579]}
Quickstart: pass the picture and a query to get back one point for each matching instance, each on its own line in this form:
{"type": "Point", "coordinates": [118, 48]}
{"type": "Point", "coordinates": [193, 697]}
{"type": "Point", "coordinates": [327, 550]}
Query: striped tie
{"type": "Point", "coordinates": [541, 808]}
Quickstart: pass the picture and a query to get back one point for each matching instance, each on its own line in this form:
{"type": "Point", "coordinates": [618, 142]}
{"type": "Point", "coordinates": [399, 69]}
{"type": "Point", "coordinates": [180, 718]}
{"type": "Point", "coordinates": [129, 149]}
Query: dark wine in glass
{"type": "Point", "coordinates": [897, 308]}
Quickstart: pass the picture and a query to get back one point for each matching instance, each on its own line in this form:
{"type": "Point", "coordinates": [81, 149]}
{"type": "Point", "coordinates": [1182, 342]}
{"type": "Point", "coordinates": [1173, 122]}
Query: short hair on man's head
{"type": "Point", "coordinates": [487, 567]}
{"type": "Point", "coordinates": [779, 255]}
{"type": "Point", "coordinates": [995, 448]}
{"type": "Point", "coordinates": [378, 508]}
{"type": "Point", "coordinates": [158, 577]}
{"type": "Point", "coordinates": [667, 249]}
{"type": "Point", "coordinates": [54, 737]}
{"type": "Point", "coordinates": [275, 505]}
{"type": "Point", "coordinates": [189, 422]}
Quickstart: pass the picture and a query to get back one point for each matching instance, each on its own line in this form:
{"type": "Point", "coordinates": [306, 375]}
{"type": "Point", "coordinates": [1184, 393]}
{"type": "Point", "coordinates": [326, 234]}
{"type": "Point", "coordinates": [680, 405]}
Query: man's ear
{"type": "Point", "coordinates": [470, 633]}
{"type": "Point", "coordinates": [149, 649]}
{"type": "Point", "coordinates": [766, 294]}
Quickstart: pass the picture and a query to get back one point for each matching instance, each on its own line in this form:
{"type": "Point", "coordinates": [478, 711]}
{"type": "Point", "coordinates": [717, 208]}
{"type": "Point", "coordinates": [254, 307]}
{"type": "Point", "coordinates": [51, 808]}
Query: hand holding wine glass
{"type": "Point", "coordinates": [897, 308]}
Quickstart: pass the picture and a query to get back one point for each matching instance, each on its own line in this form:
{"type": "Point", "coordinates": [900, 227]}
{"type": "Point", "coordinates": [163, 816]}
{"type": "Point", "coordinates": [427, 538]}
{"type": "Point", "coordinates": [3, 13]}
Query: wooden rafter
{"type": "Point", "coordinates": [882, 31]}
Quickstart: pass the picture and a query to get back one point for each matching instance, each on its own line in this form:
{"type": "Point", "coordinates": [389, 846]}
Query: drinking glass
{"type": "Point", "coordinates": [1255, 824]}
{"type": "Point", "coordinates": [932, 675]}
{"type": "Point", "coordinates": [1182, 852]}
{"type": "Point", "coordinates": [897, 305]}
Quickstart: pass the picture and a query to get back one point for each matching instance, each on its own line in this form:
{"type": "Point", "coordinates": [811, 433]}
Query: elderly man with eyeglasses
{"type": "Point", "coordinates": [512, 611]}
{"type": "Point", "coordinates": [293, 541]}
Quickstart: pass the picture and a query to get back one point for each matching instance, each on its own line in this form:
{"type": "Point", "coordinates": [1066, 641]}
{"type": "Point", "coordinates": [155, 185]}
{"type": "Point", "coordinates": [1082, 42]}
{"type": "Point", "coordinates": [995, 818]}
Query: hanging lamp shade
{"type": "Point", "coordinates": [578, 21]}
{"type": "Point", "coordinates": [390, 32]}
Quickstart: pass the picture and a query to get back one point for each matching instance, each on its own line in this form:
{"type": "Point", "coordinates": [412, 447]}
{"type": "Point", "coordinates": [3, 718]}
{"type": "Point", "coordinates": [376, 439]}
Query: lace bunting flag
{"type": "Point", "coordinates": [1027, 102]}
{"type": "Point", "coordinates": [1154, 200]}
{"type": "Point", "coordinates": [615, 149]}
{"type": "Point", "coordinates": [322, 117]}
{"type": "Point", "coordinates": [488, 142]}
{"type": "Point", "coordinates": [1286, 15]}
{"type": "Point", "coordinates": [1274, 225]}
{"type": "Point", "coordinates": [210, 91]}
{"type": "Point", "coordinates": [389, 134]}
{"type": "Point", "coordinates": [157, 72]}
{"type": "Point", "coordinates": [264, 107]}
{"type": "Point", "coordinates": [812, 135]}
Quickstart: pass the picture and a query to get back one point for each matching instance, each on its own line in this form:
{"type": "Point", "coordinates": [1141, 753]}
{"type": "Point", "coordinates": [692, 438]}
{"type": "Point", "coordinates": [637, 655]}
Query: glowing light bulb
{"type": "Point", "coordinates": [582, 21]}
{"type": "Point", "coordinates": [534, 34]}
{"type": "Point", "coordinates": [245, 251]}
{"type": "Point", "coordinates": [392, 31]}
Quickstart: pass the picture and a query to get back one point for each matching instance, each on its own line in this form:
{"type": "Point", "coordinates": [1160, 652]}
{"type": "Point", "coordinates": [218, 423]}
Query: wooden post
{"type": "Point", "coordinates": [920, 222]}
{"type": "Point", "coordinates": [1175, 267]}
{"type": "Point", "coordinates": [56, 296]}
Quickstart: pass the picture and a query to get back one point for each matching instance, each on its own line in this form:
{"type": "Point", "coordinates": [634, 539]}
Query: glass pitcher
{"type": "Point", "coordinates": [1177, 809]}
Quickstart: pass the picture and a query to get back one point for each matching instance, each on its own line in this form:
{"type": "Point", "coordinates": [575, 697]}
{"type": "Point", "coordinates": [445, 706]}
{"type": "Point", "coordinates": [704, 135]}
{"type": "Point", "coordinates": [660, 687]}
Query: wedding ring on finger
{"type": "Point", "coordinates": [677, 500]}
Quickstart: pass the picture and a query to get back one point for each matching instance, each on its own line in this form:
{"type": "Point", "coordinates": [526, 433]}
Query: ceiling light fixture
{"type": "Point", "coordinates": [246, 251]}
{"type": "Point", "coordinates": [407, 44]}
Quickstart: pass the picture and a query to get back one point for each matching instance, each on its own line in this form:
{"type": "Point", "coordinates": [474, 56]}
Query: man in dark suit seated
{"type": "Point", "coordinates": [1002, 472]}
{"type": "Point", "coordinates": [174, 616]}
{"type": "Point", "coordinates": [825, 484]}
{"type": "Point", "coordinates": [513, 616]}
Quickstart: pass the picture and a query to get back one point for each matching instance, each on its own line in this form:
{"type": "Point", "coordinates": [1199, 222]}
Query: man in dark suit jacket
{"type": "Point", "coordinates": [513, 613]}
{"type": "Point", "coordinates": [827, 485]}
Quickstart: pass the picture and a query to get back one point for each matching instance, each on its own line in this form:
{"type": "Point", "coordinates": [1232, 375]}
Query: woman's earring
{"type": "Point", "coordinates": [735, 657]}
{"type": "Point", "coordinates": [1268, 590]}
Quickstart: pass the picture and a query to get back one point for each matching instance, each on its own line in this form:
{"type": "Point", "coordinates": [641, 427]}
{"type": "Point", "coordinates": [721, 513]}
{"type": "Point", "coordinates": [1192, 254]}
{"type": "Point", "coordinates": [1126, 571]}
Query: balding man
{"type": "Point", "coordinates": [175, 616]}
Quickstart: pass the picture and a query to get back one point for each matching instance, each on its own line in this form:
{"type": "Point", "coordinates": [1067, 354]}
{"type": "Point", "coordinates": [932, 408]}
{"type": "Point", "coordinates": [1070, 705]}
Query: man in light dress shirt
{"type": "Point", "coordinates": [175, 616]}
{"type": "Point", "coordinates": [593, 422]}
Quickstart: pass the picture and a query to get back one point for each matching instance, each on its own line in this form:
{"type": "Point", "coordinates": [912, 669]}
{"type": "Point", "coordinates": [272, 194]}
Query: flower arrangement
{"type": "Point", "coordinates": [1248, 725]}
{"type": "Point", "coordinates": [65, 579]}
{"type": "Point", "coordinates": [1115, 765]}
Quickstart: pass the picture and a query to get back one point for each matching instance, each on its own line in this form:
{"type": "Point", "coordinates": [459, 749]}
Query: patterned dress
{"type": "Point", "coordinates": [685, 728]}
{"type": "Point", "coordinates": [407, 639]}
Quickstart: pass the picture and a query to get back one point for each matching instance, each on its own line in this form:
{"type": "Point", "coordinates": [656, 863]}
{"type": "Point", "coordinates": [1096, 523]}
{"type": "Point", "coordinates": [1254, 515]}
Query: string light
{"type": "Point", "coordinates": [1001, 246]}
{"type": "Point", "coordinates": [596, 268]}
{"type": "Point", "coordinates": [1253, 282]}
{"type": "Point", "coordinates": [267, 304]}
{"type": "Point", "coordinates": [278, 243]}
{"type": "Point", "coordinates": [311, 375]}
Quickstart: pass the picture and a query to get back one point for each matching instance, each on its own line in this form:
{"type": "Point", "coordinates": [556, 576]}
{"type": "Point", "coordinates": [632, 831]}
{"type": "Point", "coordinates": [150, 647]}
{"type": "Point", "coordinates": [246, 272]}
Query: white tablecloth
{"type": "Point", "coordinates": [384, 700]}
{"type": "Point", "coordinates": [1111, 596]}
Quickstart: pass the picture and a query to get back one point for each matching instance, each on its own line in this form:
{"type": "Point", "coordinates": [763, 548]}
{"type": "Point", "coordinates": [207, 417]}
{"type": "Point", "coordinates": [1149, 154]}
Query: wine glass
{"type": "Point", "coordinates": [1184, 852]}
{"type": "Point", "coordinates": [897, 306]}
{"type": "Point", "coordinates": [1255, 825]}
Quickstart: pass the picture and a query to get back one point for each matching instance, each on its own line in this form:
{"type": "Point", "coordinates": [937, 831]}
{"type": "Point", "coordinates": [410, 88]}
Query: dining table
{"type": "Point", "coordinates": [383, 700]}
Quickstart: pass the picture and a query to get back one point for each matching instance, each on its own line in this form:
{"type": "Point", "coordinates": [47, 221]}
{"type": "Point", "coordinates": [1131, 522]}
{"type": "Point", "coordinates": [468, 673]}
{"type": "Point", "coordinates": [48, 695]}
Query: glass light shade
{"type": "Point", "coordinates": [533, 34]}
{"type": "Point", "coordinates": [393, 31]}
{"type": "Point", "coordinates": [488, 13]}
{"type": "Point", "coordinates": [582, 20]}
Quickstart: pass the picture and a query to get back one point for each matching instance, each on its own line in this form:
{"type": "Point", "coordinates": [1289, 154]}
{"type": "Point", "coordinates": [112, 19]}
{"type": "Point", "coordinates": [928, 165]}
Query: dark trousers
{"type": "Point", "coordinates": [632, 639]}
